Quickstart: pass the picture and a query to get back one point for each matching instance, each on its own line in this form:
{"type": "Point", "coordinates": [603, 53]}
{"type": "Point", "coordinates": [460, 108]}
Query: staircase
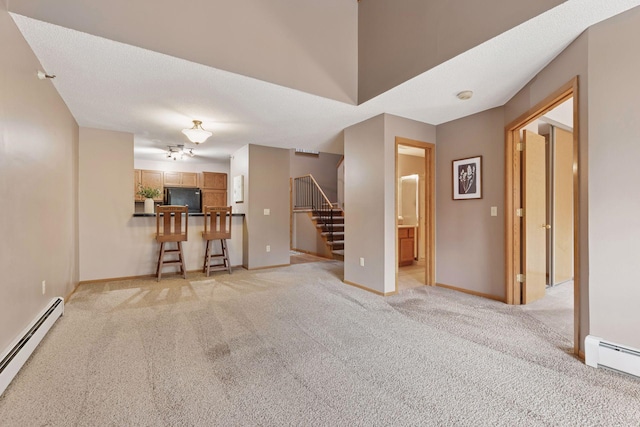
{"type": "Point", "coordinates": [330, 225]}
{"type": "Point", "coordinates": [327, 217]}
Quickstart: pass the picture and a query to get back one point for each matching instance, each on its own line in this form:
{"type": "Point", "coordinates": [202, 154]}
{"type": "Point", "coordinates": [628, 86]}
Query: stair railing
{"type": "Point", "coordinates": [309, 195]}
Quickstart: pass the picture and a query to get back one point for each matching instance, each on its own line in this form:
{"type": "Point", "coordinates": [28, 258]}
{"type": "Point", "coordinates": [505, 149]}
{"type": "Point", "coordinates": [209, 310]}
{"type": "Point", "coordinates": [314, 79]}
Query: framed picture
{"type": "Point", "coordinates": [467, 178]}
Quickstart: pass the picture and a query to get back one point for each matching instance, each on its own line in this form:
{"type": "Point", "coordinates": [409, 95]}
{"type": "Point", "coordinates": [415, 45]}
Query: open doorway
{"type": "Point", "coordinates": [542, 211]}
{"type": "Point", "coordinates": [415, 240]}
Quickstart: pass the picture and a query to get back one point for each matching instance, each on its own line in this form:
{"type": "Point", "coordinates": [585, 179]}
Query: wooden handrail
{"type": "Point", "coordinates": [324, 196]}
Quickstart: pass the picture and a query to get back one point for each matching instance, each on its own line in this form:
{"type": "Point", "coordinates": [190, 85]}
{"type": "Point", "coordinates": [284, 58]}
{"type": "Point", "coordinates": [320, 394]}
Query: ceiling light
{"type": "Point", "coordinates": [465, 94]}
{"type": "Point", "coordinates": [197, 134]}
{"type": "Point", "coordinates": [177, 152]}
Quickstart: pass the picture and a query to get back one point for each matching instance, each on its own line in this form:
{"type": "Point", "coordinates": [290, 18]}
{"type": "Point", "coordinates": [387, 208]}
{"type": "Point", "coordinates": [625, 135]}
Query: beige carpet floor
{"type": "Point", "coordinates": [296, 346]}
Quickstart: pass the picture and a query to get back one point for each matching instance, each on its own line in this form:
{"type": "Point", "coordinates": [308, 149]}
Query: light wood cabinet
{"type": "Point", "coordinates": [180, 179]}
{"type": "Point", "coordinates": [189, 179]}
{"type": "Point", "coordinates": [405, 246]}
{"type": "Point", "coordinates": [213, 180]}
{"type": "Point", "coordinates": [149, 178]}
{"type": "Point", "coordinates": [213, 198]}
{"type": "Point", "coordinates": [213, 185]}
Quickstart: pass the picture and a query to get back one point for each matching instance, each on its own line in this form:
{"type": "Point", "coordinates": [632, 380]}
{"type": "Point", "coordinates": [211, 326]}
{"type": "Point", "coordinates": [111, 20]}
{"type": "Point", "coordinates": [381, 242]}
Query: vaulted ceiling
{"type": "Point", "coordinates": [111, 84]}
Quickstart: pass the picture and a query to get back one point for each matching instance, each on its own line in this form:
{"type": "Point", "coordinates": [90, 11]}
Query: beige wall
{"type": "Point", "coordinates": [323, 168]}
{"type": "Point", "coordinates": [469, 241]}
{"type": "Point", "coordinates": [268, 188]}
{"type": "Point", "coordinates": [614, 223]}
{"type": "Point", "coordinates": [400, 39]}
{"type": "Point", "coordinates": [573, 61]}
{"type": "Point", "coordinates": [364, 192]}
{"type": "Point", "coordinates": [310, 46]}
{"type": "Point", "coordinates": [306, 237]}
{"type": "Point", "coordinates": [370, 191]}
{"type": "Point", "coordinates": [105, 199]}
{"type": "Point", "coordinates": [113, 243]}
{"type": "Point", "coordinates": [395, 126]}
{"type": "Point", "coordinates": [239, 166]}
{"type": "Point", "coordinates": [38, 187]}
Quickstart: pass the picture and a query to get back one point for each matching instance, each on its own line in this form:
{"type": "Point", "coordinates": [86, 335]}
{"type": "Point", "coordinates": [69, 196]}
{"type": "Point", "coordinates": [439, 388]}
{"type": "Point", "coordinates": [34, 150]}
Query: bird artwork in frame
{"type": "Point", "coordinates": [467, 178]}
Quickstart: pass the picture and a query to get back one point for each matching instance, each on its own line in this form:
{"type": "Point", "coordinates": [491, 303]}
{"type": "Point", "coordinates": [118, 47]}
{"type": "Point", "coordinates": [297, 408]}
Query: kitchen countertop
{"type": "Point", "coordinates": [407, 226]}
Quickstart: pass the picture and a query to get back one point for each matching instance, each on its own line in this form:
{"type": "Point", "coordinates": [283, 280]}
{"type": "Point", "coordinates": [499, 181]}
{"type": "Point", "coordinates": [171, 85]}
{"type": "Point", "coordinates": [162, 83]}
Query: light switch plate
{"type": "Point", "coordinates": [267, 211]}
{"type": "Point", "coordinates": [494, 211]}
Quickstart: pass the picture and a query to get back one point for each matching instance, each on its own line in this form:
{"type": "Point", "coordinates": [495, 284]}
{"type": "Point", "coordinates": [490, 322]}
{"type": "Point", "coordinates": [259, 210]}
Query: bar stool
{"type": "Point", "coordinates": [169, 228]}
{"type": "Point", "coordinates": [217, 226]}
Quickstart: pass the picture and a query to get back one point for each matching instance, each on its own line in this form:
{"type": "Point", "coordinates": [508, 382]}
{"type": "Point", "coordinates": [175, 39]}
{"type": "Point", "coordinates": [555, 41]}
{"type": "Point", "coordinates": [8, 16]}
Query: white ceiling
{"type": "Point", "coordinates": [114, 86]}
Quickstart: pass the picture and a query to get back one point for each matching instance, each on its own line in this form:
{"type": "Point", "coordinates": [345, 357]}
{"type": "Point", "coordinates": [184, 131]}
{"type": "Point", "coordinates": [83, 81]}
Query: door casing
{"type": "Point", "coordinates": [430, 203]}
{"type": "Point", "coordinates": [513, 191]}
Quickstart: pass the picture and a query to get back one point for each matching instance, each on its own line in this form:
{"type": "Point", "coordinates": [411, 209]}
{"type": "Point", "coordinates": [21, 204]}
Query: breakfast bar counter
{"type": "Point", "coordinates": [145, 254]}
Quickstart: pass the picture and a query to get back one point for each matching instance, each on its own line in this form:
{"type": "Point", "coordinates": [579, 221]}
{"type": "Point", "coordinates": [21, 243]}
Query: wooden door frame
{"type": "Point", "coordinates": [513, 247]}
{"type": "Point", "coordinates": [429, 202]}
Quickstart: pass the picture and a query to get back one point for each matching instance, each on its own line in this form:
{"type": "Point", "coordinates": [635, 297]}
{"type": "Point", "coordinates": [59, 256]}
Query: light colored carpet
{"type": "Point", "coordinates": [555, 309]}
{"type": "Point", "coordinates": [296, 346]}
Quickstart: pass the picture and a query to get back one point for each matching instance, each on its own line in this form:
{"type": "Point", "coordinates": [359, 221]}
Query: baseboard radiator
{"type": "Point", "coordinates": [12, 360]}
{"type": "Point", "coordinates": [601, 354]}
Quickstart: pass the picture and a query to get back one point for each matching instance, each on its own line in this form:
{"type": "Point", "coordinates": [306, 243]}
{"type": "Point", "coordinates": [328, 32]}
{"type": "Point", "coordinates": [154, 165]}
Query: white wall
{"type": "Point", "coordinates": [38, 187]}
{"type": "Point", "coordinates": [614, 151]}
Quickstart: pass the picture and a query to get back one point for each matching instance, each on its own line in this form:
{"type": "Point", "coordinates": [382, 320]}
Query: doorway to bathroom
{"type": "Point", "coordinates": [415, 201]}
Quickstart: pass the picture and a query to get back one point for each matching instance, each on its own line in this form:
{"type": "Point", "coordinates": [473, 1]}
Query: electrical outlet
{"type": "Point", "coordinates": [268, 248]}
{"type": "Point", "coordinates": [44, 287]}
{"type": "Point", "coordinates": [361, 262]}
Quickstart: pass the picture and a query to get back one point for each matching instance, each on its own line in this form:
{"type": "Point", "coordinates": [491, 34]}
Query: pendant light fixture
{"type": "Point", "coordinates": [197, 134]}
{"type": "Point", "coordinates": [178, 152]}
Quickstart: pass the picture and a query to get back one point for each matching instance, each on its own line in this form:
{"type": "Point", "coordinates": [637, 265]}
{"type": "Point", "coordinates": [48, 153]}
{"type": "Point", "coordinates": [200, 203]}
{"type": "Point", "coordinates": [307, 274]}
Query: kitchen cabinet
{"type": "Point", "coordinates": [149, 178]}
{"type": "Point", "coordinates": [406, 236]}
{"type": "Point", "coordinates": [180, 179]}
{"type": "Point", "coordinates": [213, 181]}
{"type": "Point", "coordinates": [213, 198]}
{"type": "Point", "coordinates": [213, 186]}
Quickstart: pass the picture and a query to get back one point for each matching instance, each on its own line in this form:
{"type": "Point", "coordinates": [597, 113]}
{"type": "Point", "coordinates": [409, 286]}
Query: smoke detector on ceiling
{"type": "Point", "coordinates": [464, 95]}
